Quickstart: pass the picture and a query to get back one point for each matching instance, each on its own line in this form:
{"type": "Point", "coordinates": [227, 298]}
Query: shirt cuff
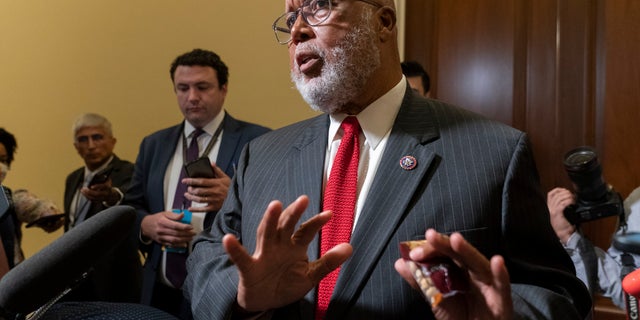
{"type": "Point", "coordinates": [572, 243]}
{"type": "Point", "coordinates": [120, 197]}
{"type": "Point", "coordinates": [142, 240]}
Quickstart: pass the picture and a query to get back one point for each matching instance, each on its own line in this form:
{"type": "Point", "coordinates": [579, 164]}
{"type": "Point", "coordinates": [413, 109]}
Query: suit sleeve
{"type": "Point", "coordinates": [542, 274]}
{"type": "Point", "coordinates": [135, 195]}
{"type": "Point", "coordinates": [212, 297]}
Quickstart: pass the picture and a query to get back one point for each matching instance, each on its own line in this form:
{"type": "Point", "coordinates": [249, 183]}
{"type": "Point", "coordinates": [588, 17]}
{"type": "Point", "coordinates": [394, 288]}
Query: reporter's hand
{"type": "Point", "coordinates": [49, 209]}
{"type": "Point", "coordinates": [489, 294]}
{"type": "Point", "coordinates": [165, 228]}
{"type": "Point", "coordinates": [557, 200]}
{"type": "Point", "coordinates": [210, 191]}
{"type": "Point", "coordinates": [101, 192]}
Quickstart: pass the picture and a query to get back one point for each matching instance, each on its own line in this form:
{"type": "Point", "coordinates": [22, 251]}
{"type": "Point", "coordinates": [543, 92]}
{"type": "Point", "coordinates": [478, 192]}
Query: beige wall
{"type": "Point", "coordinates": [65, 57]}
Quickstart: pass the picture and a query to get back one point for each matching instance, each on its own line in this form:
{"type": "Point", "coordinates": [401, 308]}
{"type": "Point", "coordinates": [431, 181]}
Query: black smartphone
{"type": "Point", "coordinates": [200, 168]}
{"type": "Point", "coordinates": [101, 177]}
{"type": "Point", "coordinates": [47, 220]}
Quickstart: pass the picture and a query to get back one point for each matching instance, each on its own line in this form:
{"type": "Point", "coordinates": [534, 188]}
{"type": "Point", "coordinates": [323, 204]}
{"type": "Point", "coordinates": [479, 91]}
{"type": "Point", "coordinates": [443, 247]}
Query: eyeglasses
{"type": "Point", "coordinates": [313, 12]}
{"type": "Point", "coordinates": [85, 139]}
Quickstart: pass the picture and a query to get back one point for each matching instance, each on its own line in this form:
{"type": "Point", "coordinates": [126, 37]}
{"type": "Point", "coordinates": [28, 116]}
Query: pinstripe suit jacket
{"type": "Point", "coordinates": [473, 176]}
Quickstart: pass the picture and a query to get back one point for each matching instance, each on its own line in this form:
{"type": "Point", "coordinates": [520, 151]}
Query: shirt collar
{"type": "Point", "coordinates": [88, 172]}
{"type": "Point", "coordinates": [210, 128]}
{"type": "Point", "coordinates": [376, 119]}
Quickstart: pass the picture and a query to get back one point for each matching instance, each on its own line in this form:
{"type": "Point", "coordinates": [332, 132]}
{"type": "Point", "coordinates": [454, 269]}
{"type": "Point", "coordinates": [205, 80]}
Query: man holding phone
{"type": "Point", "coordinates": [173, 206]}
{"type": "Point", "coordinates": [102, 181]}
{"type": "Point", "coordinates": [100, 184]}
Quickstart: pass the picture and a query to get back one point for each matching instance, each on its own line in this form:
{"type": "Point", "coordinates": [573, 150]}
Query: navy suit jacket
{"type": "Point", "coordinates": [146, 192]}
{"type": "Point", "coordinates": [473, 176]}
{"type": "Point", "coordinates": [118, 278]}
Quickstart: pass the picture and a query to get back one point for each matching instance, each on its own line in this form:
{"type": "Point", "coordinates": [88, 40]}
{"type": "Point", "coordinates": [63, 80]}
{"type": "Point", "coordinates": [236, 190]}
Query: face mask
{"type": "Point", "coordinates": [3, 171]}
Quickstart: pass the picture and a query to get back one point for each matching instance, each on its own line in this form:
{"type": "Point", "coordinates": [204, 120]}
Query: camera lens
{"type": "Point", "coordinates": [585, 172]}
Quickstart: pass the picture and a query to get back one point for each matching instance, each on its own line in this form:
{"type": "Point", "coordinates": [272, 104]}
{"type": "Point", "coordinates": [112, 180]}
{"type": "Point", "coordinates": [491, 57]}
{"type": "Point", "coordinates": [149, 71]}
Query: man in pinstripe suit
{"type": "Point", "coordinates": [470, 182]}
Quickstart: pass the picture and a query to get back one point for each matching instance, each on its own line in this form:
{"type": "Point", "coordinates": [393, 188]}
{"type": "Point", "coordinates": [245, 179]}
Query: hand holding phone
{"type": "Point", "coordinates": [101, 177]}
{"type": "Point", "coordinates": [200, 168]}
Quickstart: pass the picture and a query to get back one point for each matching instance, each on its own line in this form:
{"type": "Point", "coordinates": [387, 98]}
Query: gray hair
{"type": "Point", "coordinates": [91, 120]}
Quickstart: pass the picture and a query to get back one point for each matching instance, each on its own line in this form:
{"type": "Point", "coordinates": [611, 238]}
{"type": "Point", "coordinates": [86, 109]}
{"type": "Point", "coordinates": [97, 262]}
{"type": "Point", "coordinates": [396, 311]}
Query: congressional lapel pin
{"type": "Point", "coordinates": [408, 163]}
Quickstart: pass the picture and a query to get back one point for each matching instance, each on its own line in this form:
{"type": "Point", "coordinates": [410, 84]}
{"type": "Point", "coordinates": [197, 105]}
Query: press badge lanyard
{"type": "Point", "coordinates": [206, 150]}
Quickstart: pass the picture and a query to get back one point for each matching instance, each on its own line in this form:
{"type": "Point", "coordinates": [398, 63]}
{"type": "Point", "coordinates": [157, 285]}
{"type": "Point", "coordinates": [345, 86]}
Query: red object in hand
{"type": "Point", "coordinates": [437, 278]}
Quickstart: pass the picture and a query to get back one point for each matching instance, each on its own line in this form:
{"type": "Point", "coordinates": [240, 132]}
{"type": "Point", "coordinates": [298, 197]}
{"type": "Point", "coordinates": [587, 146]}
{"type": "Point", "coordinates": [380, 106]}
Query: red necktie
{"type": "Point", "coordinates": [340, 197]}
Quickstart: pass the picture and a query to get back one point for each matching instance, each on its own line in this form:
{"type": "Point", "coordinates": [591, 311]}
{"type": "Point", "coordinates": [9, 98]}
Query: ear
{"type": "Point", "coordinates": [387, 18]}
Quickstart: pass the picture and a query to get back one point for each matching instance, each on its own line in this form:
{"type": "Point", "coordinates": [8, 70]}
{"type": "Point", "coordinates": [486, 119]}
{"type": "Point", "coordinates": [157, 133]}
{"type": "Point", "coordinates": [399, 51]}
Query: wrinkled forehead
{"type": "Point", "coordinates": [292, 5]}
{"type": "Point", "coordinates": [91, 130]}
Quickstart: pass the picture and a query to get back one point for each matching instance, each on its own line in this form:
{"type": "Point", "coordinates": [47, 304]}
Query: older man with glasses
{"type": "Point", "coordinates": [101, 183]}
{"type": "Point", "coordinates": [383, 166]}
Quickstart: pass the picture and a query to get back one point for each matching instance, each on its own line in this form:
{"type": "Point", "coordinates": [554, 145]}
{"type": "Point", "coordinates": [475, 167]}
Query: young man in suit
{"type": "Point", "coordinates": [425, 170]}
{"type": "Point", "coordinates": [99, 184]}
{"type": "Point", "coordinates": [200, 80]}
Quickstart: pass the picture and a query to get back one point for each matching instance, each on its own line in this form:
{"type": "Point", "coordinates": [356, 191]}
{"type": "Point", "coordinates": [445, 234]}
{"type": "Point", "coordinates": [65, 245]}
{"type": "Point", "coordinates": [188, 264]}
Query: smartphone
{"type": "Point", "coordinates": [101, 177]}
{"type": "Point", "coordinates": [628, 242]}
{"type": "Point", "coordinates": [200, 168]}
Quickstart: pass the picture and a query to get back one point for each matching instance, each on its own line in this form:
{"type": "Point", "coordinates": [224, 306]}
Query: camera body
{"type": "Point", "coordinates": [582, 211]}
{"type": "Point", "coordinates": [595, 198]}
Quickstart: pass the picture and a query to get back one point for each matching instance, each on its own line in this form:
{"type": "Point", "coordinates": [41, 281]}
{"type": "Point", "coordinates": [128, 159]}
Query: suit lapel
{"type": "Point", "coordinates": [389, 198]}
{"type": "Point", "coordinates": [228, 145]}
{"type": "Point", "coordinates": [166, 146]}
{"type": "Point", "coordinates": [305, 177]}
{"type": "Point", "coordinates": [74, 184]}
{"type": "Point", "coordinates": [308, 167]}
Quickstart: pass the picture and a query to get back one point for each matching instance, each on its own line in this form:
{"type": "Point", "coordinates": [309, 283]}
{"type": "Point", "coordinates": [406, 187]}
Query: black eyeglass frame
{"type": "Point", "coordinates": [304, 14]}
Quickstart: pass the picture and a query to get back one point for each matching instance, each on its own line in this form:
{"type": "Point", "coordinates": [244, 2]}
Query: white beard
{"type": "Point", "coordinates": [347, 68]}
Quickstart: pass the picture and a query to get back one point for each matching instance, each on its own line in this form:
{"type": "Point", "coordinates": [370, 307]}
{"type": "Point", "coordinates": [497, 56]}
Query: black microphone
{"type": "Point", "coordinates": [62, 263]}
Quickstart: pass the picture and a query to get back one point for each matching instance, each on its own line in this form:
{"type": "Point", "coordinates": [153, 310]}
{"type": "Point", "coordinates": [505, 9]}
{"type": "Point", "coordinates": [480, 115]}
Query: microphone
{"type": "Point", "coordinates": [65, 261]}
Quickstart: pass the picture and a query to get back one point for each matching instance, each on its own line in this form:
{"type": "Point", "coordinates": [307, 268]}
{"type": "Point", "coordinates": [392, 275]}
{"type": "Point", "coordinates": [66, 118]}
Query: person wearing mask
{"type": "Point", "coordinates": [10, 226]}
{"type": "Point", "coordinates": [172, 207]}
{"type": "Point", "coordinates": [22, 206]}
{"type": "Point", "coordinates": [312, 224]}
{"type": "Point", "coordinates": [99, 184]}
